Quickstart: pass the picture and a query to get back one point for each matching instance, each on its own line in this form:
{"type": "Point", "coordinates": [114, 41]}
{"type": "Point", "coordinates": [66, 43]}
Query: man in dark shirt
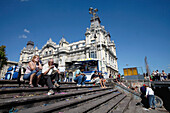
{"type": "Point", "coordinates": [144, 100]}
{"type": "Point", "coordinates": [143, 89]}
{"type": "Point", "coordinates": [95, 77]}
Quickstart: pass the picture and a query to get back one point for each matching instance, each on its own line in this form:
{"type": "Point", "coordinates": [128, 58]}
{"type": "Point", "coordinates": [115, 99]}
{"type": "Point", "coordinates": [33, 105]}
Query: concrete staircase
{"type": "Point", "coordinates": [67, 99]}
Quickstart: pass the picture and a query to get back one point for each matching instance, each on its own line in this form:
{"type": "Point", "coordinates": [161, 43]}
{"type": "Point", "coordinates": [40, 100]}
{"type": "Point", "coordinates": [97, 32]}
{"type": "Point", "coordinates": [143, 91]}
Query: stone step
{"type": "Point", "coordinates": [41, 92]}
{"type": "Point", "coordinates": [106, 108]}
{"type": "Point", "coordinates": [7, 104]}
{"type": "Point", "coordinates": [16, 84]}
{"type": "Point", "coordinates": [99, 105]}
{"type": "Point", "coordinates": [63, 104]}
{"type": "Point", "coordinates": [35, 89]}
{"type": "Point", "coordinates": [131, 107]}
{"type": "Point", "coordinates": [122, 106]}
{"type": "Point", "coordinates": [26, 82]}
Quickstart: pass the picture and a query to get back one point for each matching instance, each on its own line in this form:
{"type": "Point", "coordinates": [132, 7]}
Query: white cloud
{"type": "Point", "coordinates": [24, 0]}
{"type": "Point", "coordinates": [23, 36]}
{"type": "Point", "coordinates": [26, 30]}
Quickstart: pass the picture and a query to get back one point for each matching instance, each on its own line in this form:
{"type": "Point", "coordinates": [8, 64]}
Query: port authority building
{"type": "Point", "coordinates": [96, 52]}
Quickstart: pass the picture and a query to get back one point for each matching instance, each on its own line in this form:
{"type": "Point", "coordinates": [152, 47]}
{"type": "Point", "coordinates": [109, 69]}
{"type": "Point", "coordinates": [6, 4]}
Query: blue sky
{"type": "Point", "coordinates": [139, 27]}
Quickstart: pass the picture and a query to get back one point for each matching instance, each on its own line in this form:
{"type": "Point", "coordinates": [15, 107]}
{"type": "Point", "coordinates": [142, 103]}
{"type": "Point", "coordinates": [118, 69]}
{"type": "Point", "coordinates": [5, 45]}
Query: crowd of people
{"type": "Point", "coordinates": [116, 77]}
{"type": "Point", "coordinates": [52, 75]}
{"type": "Point", "coordinates": [156, 76]}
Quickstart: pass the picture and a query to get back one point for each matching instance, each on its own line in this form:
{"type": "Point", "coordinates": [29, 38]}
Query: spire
{"type": "Point", "coordinates": [63, 40]}
{"type": "Point", "coordinates": [95, 20]}
{"type": "Point", "coordinates": [36, 48]}
{"type": "Point", "coordinates": [50, 40]}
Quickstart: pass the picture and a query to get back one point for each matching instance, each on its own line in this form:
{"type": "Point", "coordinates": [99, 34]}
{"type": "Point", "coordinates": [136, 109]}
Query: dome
{"type": "Point", "coordinates": [30, 43]}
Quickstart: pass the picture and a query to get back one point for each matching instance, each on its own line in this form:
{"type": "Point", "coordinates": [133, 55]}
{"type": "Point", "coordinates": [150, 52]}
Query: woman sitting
{"type": "Point", "coordinates": [34, 69]}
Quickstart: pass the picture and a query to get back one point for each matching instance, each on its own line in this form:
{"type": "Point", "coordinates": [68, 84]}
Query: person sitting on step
{"type": "Point", "coordinates": [102, 80]}
{"type": "Point", "coordinates": [95, 77]}
{"type": "Point", "coordinates": [51, 72]}
{"type": "Point", "coordinates": [33, 69]}
{"type": "Point", "coordinates": [80, 77]}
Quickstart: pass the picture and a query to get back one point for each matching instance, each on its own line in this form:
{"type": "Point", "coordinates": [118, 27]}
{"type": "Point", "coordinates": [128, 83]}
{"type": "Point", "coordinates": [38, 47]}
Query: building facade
{"type": "Point", "coordinates": [97, 45]}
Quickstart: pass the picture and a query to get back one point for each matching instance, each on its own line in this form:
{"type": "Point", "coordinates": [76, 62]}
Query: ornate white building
{"type": "Point", "coordinates": [97, 45]}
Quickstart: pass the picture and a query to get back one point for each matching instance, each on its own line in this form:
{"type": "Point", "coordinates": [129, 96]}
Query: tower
{"type": "Point", "coordinates": [30, 45]}
{"type": "Point", "coordinates": [27, 53]}
{"type": "Point", "coordinates": [99, 44]}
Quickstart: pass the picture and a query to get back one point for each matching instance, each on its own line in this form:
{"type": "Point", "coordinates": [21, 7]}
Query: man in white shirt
{"type": "Point", "coordinates": [51, 72]}
{"type": "Point", "coordinates": [151, 97]}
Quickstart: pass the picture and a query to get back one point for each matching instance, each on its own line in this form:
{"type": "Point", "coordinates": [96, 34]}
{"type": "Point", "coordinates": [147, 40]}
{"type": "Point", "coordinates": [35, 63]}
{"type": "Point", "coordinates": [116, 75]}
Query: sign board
{"type": "Point", "coordinates": [130, 71]}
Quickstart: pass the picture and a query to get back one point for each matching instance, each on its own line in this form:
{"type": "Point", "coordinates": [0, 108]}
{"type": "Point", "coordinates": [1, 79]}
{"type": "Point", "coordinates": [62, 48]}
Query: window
{"type": "Point", "coordinates": [93, 41]}
{"type": "Point", "coordinates": [77, 46]}
{"type": "Point", "coordinates": [92, 30]}
{"type": "Point", "coordinates": [106, 56]}
{"type": "Point", "coordinates": [93, 54]}
{"type": "Point", "coordinates": [46, 53]}
{"type": "Point", "coordinates": [29, 58]}
{"type": "Point", "coordinates": [50, 52]}
{"type": "Point", "coordinates": [61, 44]}
{"type": "Point", "coordinates": [71, 48]}
{"type": "Point", "coordinates": [83, 44]}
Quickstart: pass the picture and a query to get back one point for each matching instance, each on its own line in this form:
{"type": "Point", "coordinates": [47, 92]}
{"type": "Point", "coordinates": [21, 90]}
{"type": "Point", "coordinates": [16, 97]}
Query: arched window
{"type": "Point", "coordinates": [71, 48]}
{"type": "Point", "coordinates": [93, 53]}
{"type": "Point", "coordinates": [77, 46]}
